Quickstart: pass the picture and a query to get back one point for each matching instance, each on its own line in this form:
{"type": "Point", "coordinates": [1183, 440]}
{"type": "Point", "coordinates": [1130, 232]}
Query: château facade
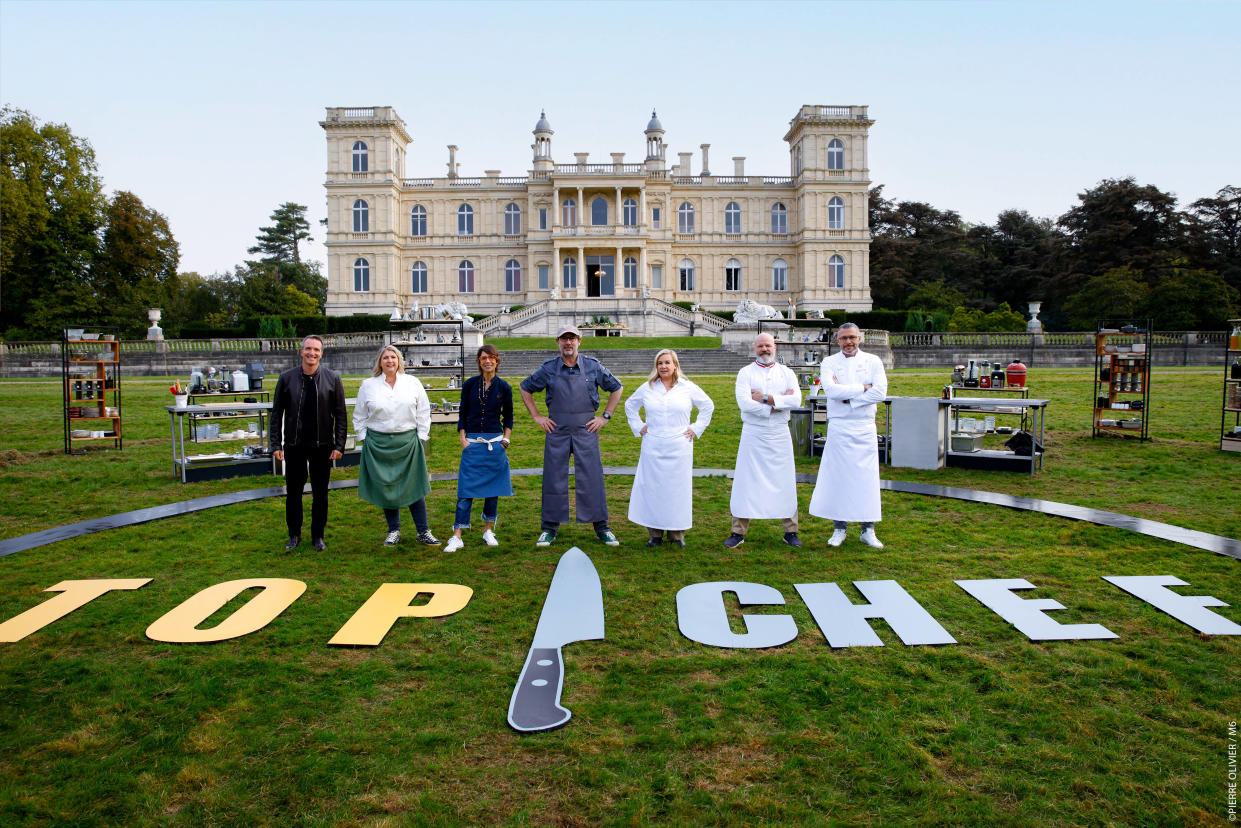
{"type": "Point", "coordinates": [588, 229]}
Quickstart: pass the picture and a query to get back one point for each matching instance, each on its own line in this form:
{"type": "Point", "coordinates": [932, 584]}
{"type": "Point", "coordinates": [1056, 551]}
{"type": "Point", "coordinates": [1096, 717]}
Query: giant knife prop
{"type": "Point", "coordinates": [572, 611]}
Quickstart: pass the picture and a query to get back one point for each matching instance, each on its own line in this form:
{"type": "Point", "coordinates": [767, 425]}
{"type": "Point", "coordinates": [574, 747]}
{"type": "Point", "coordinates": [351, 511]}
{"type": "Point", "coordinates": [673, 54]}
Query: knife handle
{"type": "Point", "coordinates": [536, 698]}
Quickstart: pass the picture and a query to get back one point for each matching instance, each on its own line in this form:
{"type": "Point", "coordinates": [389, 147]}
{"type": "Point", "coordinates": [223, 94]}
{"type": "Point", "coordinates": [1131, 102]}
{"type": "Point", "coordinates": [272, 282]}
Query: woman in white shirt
{"type": "Point", "coordinates": [662, 498]}
{"type": "Point", "coordinates": [392, 419]}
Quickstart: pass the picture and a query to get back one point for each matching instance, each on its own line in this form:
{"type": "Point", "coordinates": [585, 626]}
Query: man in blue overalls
{"type": "Point", "coordinates": [572, 382]}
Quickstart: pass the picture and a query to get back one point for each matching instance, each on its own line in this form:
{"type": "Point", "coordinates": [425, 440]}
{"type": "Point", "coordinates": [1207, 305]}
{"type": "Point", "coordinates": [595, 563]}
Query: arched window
{"type": "Point", "coordinates": [568, 213]}
{"type": "Point", "coordinates": [361, 217]}
{"type": "Point", "coordinates": [361, 162]}
{"type": "Point", "coordinates": [836, 213]}
{"type": "Point", "coordinates": [687, 274]}
{"type": "Point", "coordinates": [685, 218]}
{"type": "Point", "coordinates": [779, 275]}
{"type": "Point", "coordinates": [779, 219]}
{"type": "Point", "coordinates": [732, 218]}
{"type": "Point", "coordinates": [631, 272]}
{"type": "Point", "coordinates": [361, 275]}
{"type": "Point", "coordinates": [629, 210]}
{"type": "Point", "coordinates": [465, 220]}
{"type": "Point", "coordinates": [599, 211]}
{"type": "Point", "coordinates": [836, 154]}
{"type": "Point", "coordinates": [836, 272]}
{"type": "Point", "coordinates": [418, 278]}
{"type": "Point", "coordinates": [570, 272]}
{"type": "Point", "coordinates": [512, 220]}
{"type": "Point", "coordinates": [465, 276]}
{"type": "Point", "coordinates": [418, 220]}
{"type": "Point", "coordinates": [512, 276]}
{"type": "Point", "coordinates": [732, 275]}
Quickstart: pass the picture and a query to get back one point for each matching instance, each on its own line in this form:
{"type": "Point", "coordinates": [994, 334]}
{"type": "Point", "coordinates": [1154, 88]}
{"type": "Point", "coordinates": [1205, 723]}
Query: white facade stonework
{"type": "Point", "coordinates": [609, 228]}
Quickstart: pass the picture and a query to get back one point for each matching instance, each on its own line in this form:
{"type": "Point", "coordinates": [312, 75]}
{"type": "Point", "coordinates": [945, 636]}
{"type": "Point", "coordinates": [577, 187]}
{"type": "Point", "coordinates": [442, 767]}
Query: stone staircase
{"type": "Point", "coordinates": [694, 361]}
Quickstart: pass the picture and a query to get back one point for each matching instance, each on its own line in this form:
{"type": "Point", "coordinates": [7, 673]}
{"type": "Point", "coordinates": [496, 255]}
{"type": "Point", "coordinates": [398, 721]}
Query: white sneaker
{"type": "Point", "coordinates": [454, 543]}
{"type": "Point", "coordinates": [489, 538]}
{"type": "Point", "coordinates": [393, 538]}
{"type": "Point", "coordinates": [868, 538]}
{"type": "Point", "coordinates": [837, 538]}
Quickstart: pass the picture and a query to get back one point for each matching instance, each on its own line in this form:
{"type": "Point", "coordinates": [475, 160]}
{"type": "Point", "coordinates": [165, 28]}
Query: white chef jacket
{"type": "Point", "coordinates": [662, 496]}
{"type": "Point", "coordinates": [765, 478]}
{"type": "Point", "coordinates": [847, 487]}
{"type": "Point", "coordinates": [391, 410]}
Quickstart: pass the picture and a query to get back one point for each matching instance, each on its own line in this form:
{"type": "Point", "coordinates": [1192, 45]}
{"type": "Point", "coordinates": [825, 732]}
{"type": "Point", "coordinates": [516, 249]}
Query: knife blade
{"type": "Point", "coordinates": [572, 611]}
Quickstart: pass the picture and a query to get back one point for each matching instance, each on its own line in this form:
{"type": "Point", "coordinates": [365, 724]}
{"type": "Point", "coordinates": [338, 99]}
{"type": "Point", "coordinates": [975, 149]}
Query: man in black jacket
{"type": "Point", "coordinates": [309, 411]}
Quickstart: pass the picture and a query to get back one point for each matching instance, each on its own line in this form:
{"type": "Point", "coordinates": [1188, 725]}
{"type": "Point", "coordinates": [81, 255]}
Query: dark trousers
{"type": "Point", "coordinates": [417, 510]}
{"type": "Point", "coordinates": [298, 462]}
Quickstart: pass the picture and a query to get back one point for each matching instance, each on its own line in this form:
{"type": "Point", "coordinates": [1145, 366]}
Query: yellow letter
{"type": "Point", "coordinates": [371, 622]}
{"type": "Point", "coordinates": [74, 594]}
{"type": "Point", "coordinates": [179, 625]}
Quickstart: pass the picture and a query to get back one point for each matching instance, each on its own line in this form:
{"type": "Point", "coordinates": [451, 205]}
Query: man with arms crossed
{"type": "Point", "coordinates": [848, 485]}
{"type": "Point", "coordinates": [765, 482]}
{"type": "Point", "coordinates": [308, 409]}
{"type": "Point", "coordinates": [572, 382]}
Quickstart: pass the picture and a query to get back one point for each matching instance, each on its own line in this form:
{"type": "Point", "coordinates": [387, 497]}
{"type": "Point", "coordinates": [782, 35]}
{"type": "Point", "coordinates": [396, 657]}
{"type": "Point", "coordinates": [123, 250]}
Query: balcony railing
{"type": "Point", "coordinates": [600, 169]}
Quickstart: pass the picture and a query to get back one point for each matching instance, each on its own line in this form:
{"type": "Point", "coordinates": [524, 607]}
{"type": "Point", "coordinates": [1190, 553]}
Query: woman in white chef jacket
{"type": "Point", "coordinates": [662, 498]}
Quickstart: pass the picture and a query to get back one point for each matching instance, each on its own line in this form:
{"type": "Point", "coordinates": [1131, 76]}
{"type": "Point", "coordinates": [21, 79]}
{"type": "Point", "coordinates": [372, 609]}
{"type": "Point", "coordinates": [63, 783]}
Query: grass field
{"type": "Point", "coordinates": [100, 725]}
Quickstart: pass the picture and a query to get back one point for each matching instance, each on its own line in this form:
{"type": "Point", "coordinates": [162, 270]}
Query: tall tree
{"type": "Point", "coordinates": [278, 243]}
{"type": "Point", "coordinates": [1215, 233]}
{"type": "Point", "coordinates": [137, 256]}
{"type": "Point", "coordinates": [51, 209]}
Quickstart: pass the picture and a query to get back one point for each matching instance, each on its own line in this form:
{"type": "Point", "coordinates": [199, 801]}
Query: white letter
{"type": "Point", "coordinates": [702, 617]}
{"type": "Point", "coordinates": [843, 623]}
{"type": "Point", "coordinates": [1027, 616]}
{"type": "Point", "coordinates": [178, 626]}
{"type": "Point", "coordinates": [74, 594]}
{"type": "Point", "coordinates": [1188, 609]}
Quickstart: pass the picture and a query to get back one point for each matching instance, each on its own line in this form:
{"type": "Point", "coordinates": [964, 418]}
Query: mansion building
{"type": "Point", "coordinates": [598, 229]}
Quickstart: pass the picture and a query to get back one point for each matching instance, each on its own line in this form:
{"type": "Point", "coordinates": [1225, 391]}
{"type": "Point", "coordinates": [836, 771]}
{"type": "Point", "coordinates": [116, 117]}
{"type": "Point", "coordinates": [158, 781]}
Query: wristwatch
{"type": "Point", "coordinates": [605, 415]}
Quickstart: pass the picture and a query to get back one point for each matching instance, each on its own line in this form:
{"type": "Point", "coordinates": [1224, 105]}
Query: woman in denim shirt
{"type": "Point", "coordinates": [484, 426]}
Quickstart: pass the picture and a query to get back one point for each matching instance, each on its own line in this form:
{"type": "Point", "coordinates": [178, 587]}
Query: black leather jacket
{"type": "Point", "coordinates": [286, 408]}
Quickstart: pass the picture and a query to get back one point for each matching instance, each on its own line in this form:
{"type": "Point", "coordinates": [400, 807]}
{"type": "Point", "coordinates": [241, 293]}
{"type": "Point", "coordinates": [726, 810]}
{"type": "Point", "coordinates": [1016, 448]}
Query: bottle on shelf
{"type": "Point", "coordinates": [1234, 372]}
{"type": "Point", "coordinates": [1234, 339]}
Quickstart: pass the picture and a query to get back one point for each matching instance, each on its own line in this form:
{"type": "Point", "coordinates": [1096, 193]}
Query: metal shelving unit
{"type": "Point", "coordinates": [1230, 436]}
{"type": "Point", "coordinates": [91, 378]}
{"type": "Point", "coordinates": [1122, 387]}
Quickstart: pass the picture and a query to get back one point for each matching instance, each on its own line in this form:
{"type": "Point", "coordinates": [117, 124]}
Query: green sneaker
{"type": "Point", "coordinates": [608, 538]}
{"type": "Point", "coordinates": [546, 539]}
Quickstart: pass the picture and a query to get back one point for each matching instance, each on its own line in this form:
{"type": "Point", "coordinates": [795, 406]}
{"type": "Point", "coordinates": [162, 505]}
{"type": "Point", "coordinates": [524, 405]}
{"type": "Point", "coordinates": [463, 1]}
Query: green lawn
{"type": "Point", "coordinates": [100, 725]}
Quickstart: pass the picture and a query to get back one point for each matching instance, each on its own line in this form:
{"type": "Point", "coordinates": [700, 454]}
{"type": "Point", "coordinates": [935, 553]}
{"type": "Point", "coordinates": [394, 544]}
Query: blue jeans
{"type": "Point", "coordinates": [417, 510]}
{"type": "Point", "coordinates": [465, 505]}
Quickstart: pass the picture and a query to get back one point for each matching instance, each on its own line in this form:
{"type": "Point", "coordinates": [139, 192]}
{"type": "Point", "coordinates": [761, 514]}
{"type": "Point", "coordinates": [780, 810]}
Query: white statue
{"type": "Point", "coordinates": [749, 311]}
{"type": "Point", "coordinates": [454, 310]}
{"type": "Point", "coordinates": [396, 314]}
{"type": "Point", "coordinates": [646, 292]}
{"type": "Point", "coordinates": [694, 307]}
{"type": "Point", "coordinates": [814, 313]}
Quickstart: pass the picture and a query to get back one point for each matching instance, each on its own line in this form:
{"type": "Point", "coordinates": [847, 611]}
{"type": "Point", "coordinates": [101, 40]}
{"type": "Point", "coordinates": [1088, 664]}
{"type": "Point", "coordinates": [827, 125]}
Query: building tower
{"type": "Point", "coordinates": [542, 145]}
{"type": "Point", "coordinates": [654, 143]}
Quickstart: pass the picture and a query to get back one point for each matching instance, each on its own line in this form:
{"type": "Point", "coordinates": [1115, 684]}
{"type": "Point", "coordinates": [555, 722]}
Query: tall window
{"type": "Point", "coordinates": [732, 275]}
{"type": "Point", "coordinates": [418, 220]}
{"type": "Point", "coordinates": [465, 277]}
{"type": "Point", "coordinates": [836, 154]}
{"type": "Point", "coordinates": [685, 218]}
{"type": "Point", "coordinates": [512, 276]}
{"type": "Point", "coordinates": [361, 275]}
{"type": "Point", "coordinates": [418, 278]}
{"type": "Point", "coordinates": [568, 213]}
{"type": "Point", "coordinates": [779, 219]}
{"type": "Point", "coordinates": [465, 220]}
{"type": "Point", "coordinates": [732, 218]}
{"type": "Point", "coordinates": [657, 277]}
{"type": "Point", "coordinates": [512, 220]}
{"type": "Point", "coordinates": [544, 277]}
{"type": "Point", "coordinates": [629, 213]}
{"type": "Point", "coordinates": [836, 272]}
{"type": "Point", "coordinates": [631, 272]}
{"type": "Point", "coordinates": [360, 160]}
{"type": "Point", "coordinates": [836, 213]}
{"type": "Point", "coordinates": [599, 211]}
{"type": "Point", "coordinates": [361, 217]}
{"type": "Point", "coordinates": [542, 218]}
{"type": "Point", "coordinates": [570, 273]}
{"type": "Point", "coordinates": [687, 274]}
{"type": "Point", "coordinates": [657, 218]}
{"type": "Point", "coordinates": [779, 275]}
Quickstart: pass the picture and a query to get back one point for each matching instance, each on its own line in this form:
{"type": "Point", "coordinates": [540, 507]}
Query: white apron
{"type": "Point", "coordinates": [663, 489]}
{"type": "Point", "coordinates": [848, 485]}
{"type": "Point", "coordinates": [765, 479]}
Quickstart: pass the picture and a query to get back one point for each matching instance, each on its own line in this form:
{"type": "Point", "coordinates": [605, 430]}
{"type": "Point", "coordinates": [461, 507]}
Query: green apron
{"type": "Point", "coordinates": [393, 471]}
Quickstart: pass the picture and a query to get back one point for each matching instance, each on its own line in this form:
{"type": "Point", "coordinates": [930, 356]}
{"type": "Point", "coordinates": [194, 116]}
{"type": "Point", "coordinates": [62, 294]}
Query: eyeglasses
{"type": "Point", "coordinates": [848, 337]}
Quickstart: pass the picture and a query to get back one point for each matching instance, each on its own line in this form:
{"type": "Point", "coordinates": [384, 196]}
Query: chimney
{"type": "Point", "coordinates": [706, 167]}
{"type": "Point", "coordinates": [452, 160]}
{"type": "Point", "coordinates": [739, 166]}
{"type": "Point", "coordinates": [684, 164]}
